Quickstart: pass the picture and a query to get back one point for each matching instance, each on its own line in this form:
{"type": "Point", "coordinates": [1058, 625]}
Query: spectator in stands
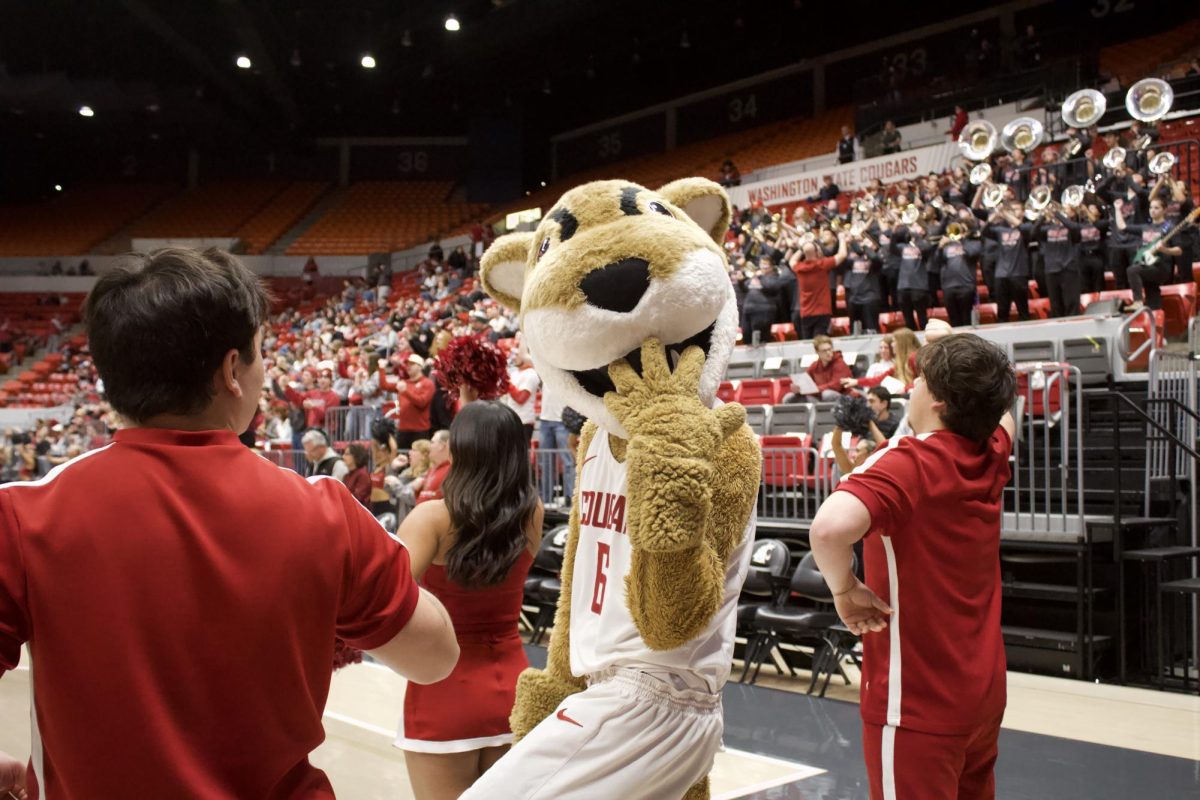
{"type": "Point", "coordinates": [828, 371]}
{"type": "Point", "coordinates": [759, 288]}
{"type": "Point", "coordinates": [956, 262]}
{"type": "Point", "coordinates": [413, 398]}
{"type": "Point", "coordinates": [890, 139]}
{"type": "Point", "coordinates": [357, 479]}
{"type": "Point", "coordinates": [729, 175]}
{"type": "Point", "coordinates": [879, 400]}
{"type": "Point", "coordinates": [846, 146]}
{"type": "Point", "coordinates": [436, 253]}
{"type": "Point", "coordinates": [457, 260]}
{"type": "Point", "coordinates": [439, 466]}
{"type": "Point", "coordinates": [845, 464]}
{"type": "Point", "coordinates": [828, 191]}
{"type": "Point", "coordinates": [322, 459]}
{"type": "Point", "coordinates": [554, 435]}
{"type": "Point", "coordinates": [1029, 49]}
{"type": "Point", "coordinates": [958, 122]}
{"type": "Point", "coordinates": [1145, 279]}
{"type": "Point", "coordinates": [1012, 264]}
{"type": "Point", "coordinates": [522, 392]}
{"type": "Point", "coordinates": [906, 346]}
{"type": "Point", "coordinates": [812, 270]}
{"type": "Point", "coordinates": [882, 367]}
{"type": "Point", "coordinates": [210, 554]}
{"type": "Point", "coordinates": [912, 246]}
{"type": "Point", "coordinates": [383, 452]}
{"type": "Point", "coordinates": [409, 479]}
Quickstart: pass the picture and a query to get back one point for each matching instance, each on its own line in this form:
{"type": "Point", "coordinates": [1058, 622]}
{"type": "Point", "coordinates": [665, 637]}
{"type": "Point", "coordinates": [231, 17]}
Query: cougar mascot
{"type": "Point", "coordinates": [629, 315]}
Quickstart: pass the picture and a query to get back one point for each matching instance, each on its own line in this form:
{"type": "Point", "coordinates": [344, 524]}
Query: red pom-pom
{"type": "Point", "coordinates": [475, 362]}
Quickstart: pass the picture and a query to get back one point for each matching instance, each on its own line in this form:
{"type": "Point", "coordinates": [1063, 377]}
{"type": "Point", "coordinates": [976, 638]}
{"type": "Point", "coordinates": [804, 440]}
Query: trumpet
{"type": "Point", "coordinates": [993, 196]}
{"type": "Point", "coordinates": [1022, 133]}
{"type": "Point", "coordinates": [1114, 158]}
{"type": "Point", "coordinates": [1072, 196]}
{"type": "Point", "coordinates": [956, 231]}
{"type": "Point", "coordinates": [980, 174]}
{"type": "Point", "coordinates": [978, 140]}
{"type": "Point", "coordinates": [1039, 200]}
{"type": "Point", "coordinates": [1162, 163]}
{"type": "Point", "coordinates": [910, 214]}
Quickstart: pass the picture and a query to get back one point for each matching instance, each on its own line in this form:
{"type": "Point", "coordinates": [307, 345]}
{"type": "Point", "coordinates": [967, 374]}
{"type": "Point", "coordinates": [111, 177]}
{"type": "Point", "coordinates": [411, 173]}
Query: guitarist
{"type": "Point", "coordinates": [1145, 279]}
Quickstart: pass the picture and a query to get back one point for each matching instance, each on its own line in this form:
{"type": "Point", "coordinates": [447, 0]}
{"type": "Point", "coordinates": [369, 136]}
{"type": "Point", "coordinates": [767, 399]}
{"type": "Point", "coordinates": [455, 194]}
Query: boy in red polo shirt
{"type": "Point", "coordinates": [933, 684]}
{"type": "Point", "coordinates": [181, 595]}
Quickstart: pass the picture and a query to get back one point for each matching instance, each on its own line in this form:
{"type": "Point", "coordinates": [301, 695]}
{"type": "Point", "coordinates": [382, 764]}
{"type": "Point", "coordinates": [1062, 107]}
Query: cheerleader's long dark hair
{"type": "Point", "coordinates": [489, 493]}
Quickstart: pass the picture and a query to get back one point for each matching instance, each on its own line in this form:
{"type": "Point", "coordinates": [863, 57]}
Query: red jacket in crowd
{"type": "Point", "coordinates": [359, 483]}
{"type": "Point", "coordinates": [829, 376]}
{"type": "Point", "coordinates": [413, 402]}
{"type": "Point", "coordinates": [813, 279]}
{"type": "Point", "coordinates": [314, 413]}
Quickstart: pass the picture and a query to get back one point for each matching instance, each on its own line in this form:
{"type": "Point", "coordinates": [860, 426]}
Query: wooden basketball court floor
{"type": "Point", "coordinates": [1061, 739]}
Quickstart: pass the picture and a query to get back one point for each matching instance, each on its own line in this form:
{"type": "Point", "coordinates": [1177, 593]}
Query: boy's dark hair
{"type": "Point", "coordinates": [881, 392]}
{"type": "Point", "coordinates": [975, 380]}
{"type": "Point", "coordinates": [159, 325]}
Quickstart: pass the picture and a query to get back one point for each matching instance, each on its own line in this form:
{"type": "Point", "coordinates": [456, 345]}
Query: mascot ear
{"type": "Point", "coordinates": [702, 200]}
{"type": "Point", "coordinates": [502, 269]}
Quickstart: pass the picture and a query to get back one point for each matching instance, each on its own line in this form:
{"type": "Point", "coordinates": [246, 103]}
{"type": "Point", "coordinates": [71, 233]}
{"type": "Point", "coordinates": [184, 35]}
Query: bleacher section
{"type": "Point", "coordinates": [76, 221]}
{"type": "Point", "coordinates": [378, 216]}
{"type": "Point", "coordinates": [284, 210]}
{"type": "Point", "coordinates": [1131, 61]}
{"type": "Point", "coordinates": [215, 210]}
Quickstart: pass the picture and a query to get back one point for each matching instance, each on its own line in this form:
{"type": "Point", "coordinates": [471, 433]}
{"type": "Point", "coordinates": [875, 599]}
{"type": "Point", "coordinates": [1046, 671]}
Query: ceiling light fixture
{"type": "Point", "coordinates": [243, 62]}
{"type": "Point", "coordinates": [452, 24]}
{"type": "Point", "coordinates": [368, 61]}
{"type": "Point", "coordinates": [86, 111]}
{"type": "Point", "coordinates": [58, 187]}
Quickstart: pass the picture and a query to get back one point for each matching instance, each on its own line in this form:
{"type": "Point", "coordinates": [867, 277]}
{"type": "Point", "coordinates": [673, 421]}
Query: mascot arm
{"type": "Point", "coordinates": [540, 691]}
{"type": "Point", "coordinates": [674, 594]}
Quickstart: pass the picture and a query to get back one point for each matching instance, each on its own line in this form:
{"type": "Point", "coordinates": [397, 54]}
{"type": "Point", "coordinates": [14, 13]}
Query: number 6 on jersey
{"type": "Point", "coordinates": [601, 578]}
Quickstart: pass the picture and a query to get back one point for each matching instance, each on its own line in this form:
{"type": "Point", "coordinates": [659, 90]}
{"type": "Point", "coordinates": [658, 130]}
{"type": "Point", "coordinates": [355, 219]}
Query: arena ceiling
{"type": "Point", "coordinates": [166, 69]}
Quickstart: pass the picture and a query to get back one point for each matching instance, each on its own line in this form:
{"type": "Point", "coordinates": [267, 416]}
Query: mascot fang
{"type": "Point", "coordinates": [629, 316]}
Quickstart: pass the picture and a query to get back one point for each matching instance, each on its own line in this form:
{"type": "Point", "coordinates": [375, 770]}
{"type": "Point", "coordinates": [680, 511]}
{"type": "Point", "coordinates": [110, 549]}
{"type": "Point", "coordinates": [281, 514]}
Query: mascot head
{"type": "Point", "coordinates": [610, 266]}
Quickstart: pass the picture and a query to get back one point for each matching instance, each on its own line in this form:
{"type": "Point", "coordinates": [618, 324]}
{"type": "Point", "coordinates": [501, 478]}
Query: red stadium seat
{"type": "Point", "coordinates": [758, 392]}
{"type": "Point", "coordinates": [728, 391]}
{"type": "Point", "coordinates": [890, 321]}
{"type": "Point", "coordinates": [783, 332]}
{"type": "Point", "coordinates": [1179, 306]}
{"type": "Point", "coordinates": [1039, 307]}
{"type": "Point", "coordinates": [839, 326]}
{"type": "Point", "coordinates": [987, 313]}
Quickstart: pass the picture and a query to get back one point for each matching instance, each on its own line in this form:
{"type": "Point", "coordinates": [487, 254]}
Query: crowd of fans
{"type": "Point", "coordinates": [945, 241]}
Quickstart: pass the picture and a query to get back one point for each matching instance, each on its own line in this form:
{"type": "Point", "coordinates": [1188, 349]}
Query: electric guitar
{"type": "Point", "coordinates": [1146, 255]}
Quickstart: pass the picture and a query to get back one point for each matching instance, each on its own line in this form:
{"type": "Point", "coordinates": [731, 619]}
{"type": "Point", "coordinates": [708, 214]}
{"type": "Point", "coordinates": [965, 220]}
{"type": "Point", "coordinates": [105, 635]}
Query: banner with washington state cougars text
{"type": "Point", "coordinates": [852, 177]}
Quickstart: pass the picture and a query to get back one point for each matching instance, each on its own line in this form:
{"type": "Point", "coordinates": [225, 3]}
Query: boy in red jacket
{"type": "Point", "coordinates": [829, 371]}
{"type": "Point", "coordinates": [413, 397]}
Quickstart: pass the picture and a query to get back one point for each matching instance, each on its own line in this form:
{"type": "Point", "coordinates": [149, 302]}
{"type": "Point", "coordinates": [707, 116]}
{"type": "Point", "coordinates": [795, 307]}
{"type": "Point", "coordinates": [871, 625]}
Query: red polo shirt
{"type": "Point", "coordinates": [180, 596]}
{"type": "Point", "coordinates": [933, 554]}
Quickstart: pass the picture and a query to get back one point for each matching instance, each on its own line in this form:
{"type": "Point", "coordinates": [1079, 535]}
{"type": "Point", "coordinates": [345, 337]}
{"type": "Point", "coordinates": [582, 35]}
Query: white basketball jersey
{"type": "Point", "coordinates": [603, 634]}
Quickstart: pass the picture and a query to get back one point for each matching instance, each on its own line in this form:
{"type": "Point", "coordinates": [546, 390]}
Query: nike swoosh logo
{"type": "Point", "coordinates": [562, 714]}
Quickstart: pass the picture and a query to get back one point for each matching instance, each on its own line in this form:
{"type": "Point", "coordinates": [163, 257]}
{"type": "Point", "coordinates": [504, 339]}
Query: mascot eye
{"type": "Point", "coordinates": [659, 208]}
{"type": "Point", "coordinates": [543, 247]}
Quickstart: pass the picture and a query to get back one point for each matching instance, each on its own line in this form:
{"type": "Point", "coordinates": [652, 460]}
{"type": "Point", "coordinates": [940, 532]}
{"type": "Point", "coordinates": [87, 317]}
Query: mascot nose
{"type": "Point", "coordinates": [617, 286]}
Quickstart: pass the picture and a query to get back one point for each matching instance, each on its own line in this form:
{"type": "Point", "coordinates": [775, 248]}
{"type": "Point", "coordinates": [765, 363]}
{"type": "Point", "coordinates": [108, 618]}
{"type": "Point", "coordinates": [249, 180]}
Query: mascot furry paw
{"type": "Point", "coordinates": [629, 316]}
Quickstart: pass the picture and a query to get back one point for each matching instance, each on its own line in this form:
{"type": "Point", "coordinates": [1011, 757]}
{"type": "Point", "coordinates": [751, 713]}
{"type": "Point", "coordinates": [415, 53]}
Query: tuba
{"type": "Point", "coordinates": [1022, 133]}
{"type": "Point", "coordinates": [1083, 108]}
{"type": "Point", "coordinates": [1146, 101]}
{"type": "Point", "coordinates": [981, 174]}
{"type": "Point", "coordinates": [1162, 163]}
{"type": "Point", "coordinates": [977, 140]}
{"type": "Point", "coordinates": [910, 214]}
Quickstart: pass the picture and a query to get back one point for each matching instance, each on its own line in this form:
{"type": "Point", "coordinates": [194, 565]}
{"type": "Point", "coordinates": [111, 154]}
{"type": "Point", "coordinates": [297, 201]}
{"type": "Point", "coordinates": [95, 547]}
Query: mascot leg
{"type": "Point", "coordinates": [699, 790]}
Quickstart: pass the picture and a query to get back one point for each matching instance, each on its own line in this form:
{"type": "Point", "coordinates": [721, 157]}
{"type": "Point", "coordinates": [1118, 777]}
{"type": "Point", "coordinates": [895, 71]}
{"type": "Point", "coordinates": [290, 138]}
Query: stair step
{"type": "Point", "coordinates": [1147, 522]}
{"type": "Point", "coordinates": [1045, 591]}
{"type": "Point", "coordinates": [1049, 639]}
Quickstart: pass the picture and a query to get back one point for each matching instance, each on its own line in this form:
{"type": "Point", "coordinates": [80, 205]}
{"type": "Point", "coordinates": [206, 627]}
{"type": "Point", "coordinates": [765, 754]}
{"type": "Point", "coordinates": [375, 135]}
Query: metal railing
{"type": "Point", "coordinates": [1045, 495]}
{"type": "Point", "coordinates": [288, 459]}
{"type": "Point", "coordinates": [1128, 326]}
{"type": "Point", "coordinates": [795, 481]}
{"type": "Point", "coordinates": [350, 423]}
{"type": "Point", "coordinates": [554, 475]}
{"type": "Point", "coordinates": [1173, 398]}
